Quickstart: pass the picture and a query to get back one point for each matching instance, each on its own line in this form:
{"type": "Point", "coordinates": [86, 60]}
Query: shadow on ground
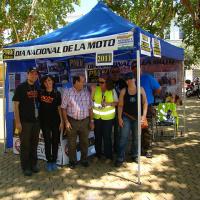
{"type": "Point", "coordinates": [173, 173]}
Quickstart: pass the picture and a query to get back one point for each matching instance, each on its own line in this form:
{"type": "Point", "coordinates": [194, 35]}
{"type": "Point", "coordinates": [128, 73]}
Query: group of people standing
{"type": "Point", "coordinates": [34, 109]}
{"type": "Point", "coordinates": [77, 112]}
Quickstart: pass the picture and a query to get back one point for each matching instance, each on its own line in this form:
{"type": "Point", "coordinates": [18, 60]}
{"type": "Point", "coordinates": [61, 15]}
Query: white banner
{"type": "Point", "coordinates": [145, 45]}
{"type": "Point", "coordinates": [156, 47]}
{"type": "Point", "coordinates": [68, 48]}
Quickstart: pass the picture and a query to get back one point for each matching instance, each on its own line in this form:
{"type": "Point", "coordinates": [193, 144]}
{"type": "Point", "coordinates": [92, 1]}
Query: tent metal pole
{"type": "Point", "coordinates": [86, 75]}
{"type": "Point", "coordinates": [183, 67]}
{"type": "Point", "coordinates": [139, 113]}
{"type": "Point", "coordinates": [4, 106]}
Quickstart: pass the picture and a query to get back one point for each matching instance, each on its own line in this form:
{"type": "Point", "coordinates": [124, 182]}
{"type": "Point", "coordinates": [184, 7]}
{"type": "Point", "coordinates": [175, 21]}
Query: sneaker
{"type": "Point", "coordinates": [27, 172]}
{"type": "Point", "coordinates": [149, 154]}
{"type": "Point", "coordinates": [135, 159]}
{"type": "Point", "coordinates": [49, 167]}
{"type": "Point", "coordinates": [85, 163]}
{"type": "Point", "coordinates": [118, 163]}
{"type": "Point", "coordinates": [54, 166]}
{"type": "Point", "coordinates": [72, 165]}
{"type": "Point", "coordinates": [35, 169]}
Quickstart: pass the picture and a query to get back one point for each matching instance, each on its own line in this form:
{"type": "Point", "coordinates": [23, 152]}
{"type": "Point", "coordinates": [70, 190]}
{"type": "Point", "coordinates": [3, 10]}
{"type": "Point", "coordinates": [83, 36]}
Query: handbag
{"type": "Point", "coordinates": [143, 125]}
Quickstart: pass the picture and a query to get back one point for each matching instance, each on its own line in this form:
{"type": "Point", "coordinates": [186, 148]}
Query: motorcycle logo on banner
{"type": "Point", "coordinates": [8, 54]}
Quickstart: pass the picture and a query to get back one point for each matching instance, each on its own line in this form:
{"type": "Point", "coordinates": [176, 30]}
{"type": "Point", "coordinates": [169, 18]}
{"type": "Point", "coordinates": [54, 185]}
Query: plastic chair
{"type": "Point", "coordinates": [167, 116]}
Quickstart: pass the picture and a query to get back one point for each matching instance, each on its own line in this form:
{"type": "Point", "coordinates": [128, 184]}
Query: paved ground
{"type": "Point", "coordinates": [173, 173]}
{"type": "Point", "coordinates": [1, 117]}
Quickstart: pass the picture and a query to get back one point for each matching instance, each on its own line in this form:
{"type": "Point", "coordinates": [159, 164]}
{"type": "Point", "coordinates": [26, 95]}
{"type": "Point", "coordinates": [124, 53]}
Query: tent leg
{"type": "Point", "coordinates": [183, 131]}
{"type": "Point", "coordinates": [4, 108]}
{"type": "Point", "coordinates": [139, 115]}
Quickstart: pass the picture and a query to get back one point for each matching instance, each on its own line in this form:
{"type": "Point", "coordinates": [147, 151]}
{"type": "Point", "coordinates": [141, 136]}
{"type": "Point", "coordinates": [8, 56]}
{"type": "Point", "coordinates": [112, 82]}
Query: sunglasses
{"type": "Point", "coordinates": [101, 82]}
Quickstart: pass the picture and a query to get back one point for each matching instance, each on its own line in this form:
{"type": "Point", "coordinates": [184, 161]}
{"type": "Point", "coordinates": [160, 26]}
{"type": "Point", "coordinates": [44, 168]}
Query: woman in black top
{"type": "Point", "coordinates": [128, 117]}
{"type": "Point", "coordinates": [50, 119]}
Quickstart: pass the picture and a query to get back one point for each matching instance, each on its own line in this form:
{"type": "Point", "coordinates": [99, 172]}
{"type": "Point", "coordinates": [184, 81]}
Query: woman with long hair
{"type": "Point", "coordinates": [50, 119]}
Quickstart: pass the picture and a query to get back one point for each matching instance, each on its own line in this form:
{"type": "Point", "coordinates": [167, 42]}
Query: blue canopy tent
{"type": "Point", "coordinates": [97, 31]}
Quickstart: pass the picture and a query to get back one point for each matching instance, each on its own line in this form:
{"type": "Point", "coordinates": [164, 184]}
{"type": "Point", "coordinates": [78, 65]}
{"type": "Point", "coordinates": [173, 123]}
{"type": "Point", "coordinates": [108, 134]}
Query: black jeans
{"type": "Point", "coordinates": [51, 136]}
{"type": "Point", "coordinates": [103, 131]}
{"type": "Point", "coordinates": [29, 138]}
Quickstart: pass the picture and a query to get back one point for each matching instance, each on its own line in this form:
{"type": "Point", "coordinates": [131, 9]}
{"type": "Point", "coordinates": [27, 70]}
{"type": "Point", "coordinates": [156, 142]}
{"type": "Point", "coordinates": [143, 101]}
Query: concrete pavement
{"type": "Point", "coordinates": [172, 174]}
{"type": "Point", "coordinates": [1, 118]}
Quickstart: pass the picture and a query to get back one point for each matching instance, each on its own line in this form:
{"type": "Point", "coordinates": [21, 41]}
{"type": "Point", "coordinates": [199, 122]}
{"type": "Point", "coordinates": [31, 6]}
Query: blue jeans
{"type": "Point", "coordinates": [129, 126]}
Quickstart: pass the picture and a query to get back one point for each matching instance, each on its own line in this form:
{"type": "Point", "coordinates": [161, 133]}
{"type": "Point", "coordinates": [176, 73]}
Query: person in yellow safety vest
{"type": "Point", "coordinates": [104, 101]}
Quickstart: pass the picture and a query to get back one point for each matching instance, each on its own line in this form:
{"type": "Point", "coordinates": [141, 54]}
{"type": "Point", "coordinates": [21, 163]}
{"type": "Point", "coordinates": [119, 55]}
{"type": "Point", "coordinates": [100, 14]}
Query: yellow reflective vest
{"type": "Point", "coordinates": [99, 112]}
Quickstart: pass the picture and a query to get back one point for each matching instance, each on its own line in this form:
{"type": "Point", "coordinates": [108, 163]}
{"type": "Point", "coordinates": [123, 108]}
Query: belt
{"type": "Point", "coordinates": [79, 120]}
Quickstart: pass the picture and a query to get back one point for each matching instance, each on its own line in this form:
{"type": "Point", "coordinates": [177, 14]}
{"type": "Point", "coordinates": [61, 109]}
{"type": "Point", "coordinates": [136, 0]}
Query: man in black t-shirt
{"type": "Point", "coordinates": [26, 121]}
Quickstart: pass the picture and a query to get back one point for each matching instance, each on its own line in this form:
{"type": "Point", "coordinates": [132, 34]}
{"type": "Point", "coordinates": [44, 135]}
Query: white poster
{"type": "Point", "coordinates": [12, 86]}
{"type": "Point", "coordinates": [156, 47]}
{"type": "Point", "coordinates": [165, 78]}
{"type": "Point", "coordinates": [23, 76]}
{"type": "Point", "coordinates": [11, 81]}
{"type": "Point", "coordinates": [171, 87]}
{"type": "Point", "coordinates": [145, 45]}
{"type": "Point", "coordinates": [14, 80]}
{"type": "Point", "coordinates": [10, 102]}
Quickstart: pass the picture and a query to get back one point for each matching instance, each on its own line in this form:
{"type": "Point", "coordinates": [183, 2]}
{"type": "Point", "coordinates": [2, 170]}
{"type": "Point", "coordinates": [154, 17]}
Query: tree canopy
{"type": "Point", "coordinates": [22, 20]}
{"type": "Point", "coordinates": [155, 16]}
{"type": "Point", "coordinates": [188, 12]}
{"type": "Point", "coordinates": [152, 15]}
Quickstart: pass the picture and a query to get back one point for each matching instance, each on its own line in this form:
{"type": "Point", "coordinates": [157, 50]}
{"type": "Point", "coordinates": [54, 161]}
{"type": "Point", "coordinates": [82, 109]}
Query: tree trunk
{"type": "Point", "coordinates": [193, 11]}
{"type": "Point", "coordinates": [29, 23]}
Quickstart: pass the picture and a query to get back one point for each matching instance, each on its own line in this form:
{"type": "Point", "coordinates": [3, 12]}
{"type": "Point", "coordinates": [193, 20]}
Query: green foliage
{"type": "Point", "coordinates": [151, 15]}
{"type": "Point", "coordinates": [28, 19]}
{"type": "Point", "coordinates": [190, 60]}
{"type": "Point", "coordinates": [189, 20]}
{"type": "Point", "coordinates": [155, 16]}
